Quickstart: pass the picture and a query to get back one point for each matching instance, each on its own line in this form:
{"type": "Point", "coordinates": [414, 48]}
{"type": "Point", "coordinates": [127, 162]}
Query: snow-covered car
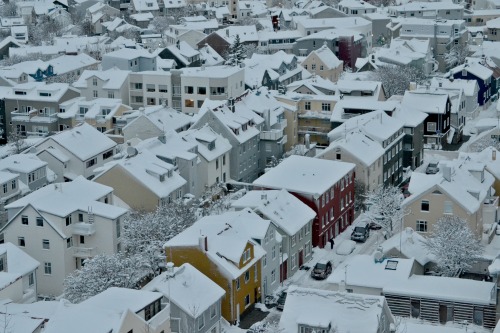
{"type": "Point", "coordinates": [432, 168]}
{"type": "Point", "coordinates": [361, 233]}
{"type": "Point", "coordinates": [281, 301]}
{"type": "Point", "coordinates": [345, 247]}
{"type": "Point", "coordinates": [321, 270]}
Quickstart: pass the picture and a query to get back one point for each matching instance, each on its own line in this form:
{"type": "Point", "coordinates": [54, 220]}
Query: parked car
{"type": "Point", "coordinates": [321, 270]}
{"type": "Point", "coordinates": [432, 168]}
{"type": "Point", "coordinates": [374, 226]}
{"type": "Point", "coordinates": [281, 301]}
{"type": "Point", "coordinates": [361, 233]}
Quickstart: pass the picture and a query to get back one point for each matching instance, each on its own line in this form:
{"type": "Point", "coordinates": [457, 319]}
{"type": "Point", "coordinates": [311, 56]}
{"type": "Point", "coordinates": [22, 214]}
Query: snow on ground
{"type": "Point", "coordinates": [410, 325]}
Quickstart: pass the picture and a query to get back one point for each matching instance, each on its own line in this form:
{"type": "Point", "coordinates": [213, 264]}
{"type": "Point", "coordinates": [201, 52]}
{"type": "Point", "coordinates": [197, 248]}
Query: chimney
{"type": "Point", "coordinates": [307, 139]}
{"type": "Point", "coordinates": [170, 268]}
{"type": "Point", "coordinates": [203, 243]}
{"type": "Point", "coordinates": [440, 84]}
{"type": "Point", "coordinates": [447, 173]}
{"type": "Point", "coordinates": [493, 154]}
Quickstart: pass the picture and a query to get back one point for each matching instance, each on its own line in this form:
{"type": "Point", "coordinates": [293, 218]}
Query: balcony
{"type": "Point", "coordinates": [35, 115]}
{"type": "Point", "coordinates": [83, 229]}
{"type": "Point", "coordinates": [272, 135]}
{"type": "Point", "coordinates": [84, 252]}
{"type": "Point", "coordinates": [314, 130]}
{"type": "Point", "coordinates": [281, 125]}
{"type": "Point", "coordinates": [490, 207]}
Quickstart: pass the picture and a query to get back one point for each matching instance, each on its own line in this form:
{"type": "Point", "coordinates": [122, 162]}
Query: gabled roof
{"type": "Point", "coordinates": [227, 237]}
{"type": "Point", "coordinates": [282, 208]}
{"type": "Point", "coordinates": [18, 264]}
{"type": "Point", "coordinates": [188, 288]}
{"type": "Point", "coordinates": [327, 57]}
{"type": "Point", "coordinates": [203, 137]}
{"type": "Point", "coordinates": [115, 78]}
{"type": "Point", "coordinates": [83, 141]}
{"type": "Point", "coordinates": [305, 175]}
{"type": "Point", "coordinates": [427, 101]}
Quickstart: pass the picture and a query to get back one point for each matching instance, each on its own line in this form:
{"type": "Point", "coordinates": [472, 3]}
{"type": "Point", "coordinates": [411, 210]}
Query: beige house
{"type": "Point", "coordinates": [324, 63]}
{"type": "Point", "coordinates": [142, 180]}
{"type": "Point", "coordinates": [461, 188]}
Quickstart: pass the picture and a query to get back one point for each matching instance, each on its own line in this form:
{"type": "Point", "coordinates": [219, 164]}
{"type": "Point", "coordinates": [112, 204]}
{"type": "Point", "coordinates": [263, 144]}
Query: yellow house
{"type": "Point", "coordinates": [220, 249]}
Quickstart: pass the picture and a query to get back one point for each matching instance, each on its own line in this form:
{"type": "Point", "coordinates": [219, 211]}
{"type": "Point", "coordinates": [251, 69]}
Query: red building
{"type": "Point", "coordinates": [325, 186]}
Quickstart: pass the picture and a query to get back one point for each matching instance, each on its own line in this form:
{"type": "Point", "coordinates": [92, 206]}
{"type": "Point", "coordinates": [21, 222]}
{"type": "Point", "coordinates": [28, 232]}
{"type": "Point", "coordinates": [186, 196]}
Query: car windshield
{"type": "Point", "coordinates": [359, 229]}
{"type": "Point", "coordinates": [432, 165]}
{"type": "Point", "coordinates": [320, 266]}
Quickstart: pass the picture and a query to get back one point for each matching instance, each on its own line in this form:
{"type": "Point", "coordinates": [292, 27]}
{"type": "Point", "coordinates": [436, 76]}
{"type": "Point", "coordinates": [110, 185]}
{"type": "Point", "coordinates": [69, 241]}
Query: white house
{"type": "Point", "coordinates": [18, 278]}
{"type": "Point", "coordinates": [76, 152]}
{"type": "Point", "coordinates": [111, 83]}
{"type": "Point", "coordinates": [63, 224]}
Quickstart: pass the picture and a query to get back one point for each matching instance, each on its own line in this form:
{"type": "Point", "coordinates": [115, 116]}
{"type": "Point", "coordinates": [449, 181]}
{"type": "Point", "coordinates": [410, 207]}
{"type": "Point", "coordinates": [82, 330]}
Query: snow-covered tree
{"type": "Point", "coordinates": [145, 233]}
{"type": "Point", "coordinates": [8, 9]}
{"type": "Point", "coordinates": [359, 195]}
{"type": "Point", "coordinates": [457, 55]}
{"type": "Point", "coordinates": [268, 327]}
{"type": "Point", "coordinates": [44, 30]}
{"type": "Point", "coordinates": [100, 273]}
{"type": "Point", "coordinates": [15, 59]}
{"type": "Point", "coordinates": [236, 54]}
{"type": "Point", "coordinates": [159, 24]}
{"type": "Point", "coordinates": [384, 208]}
{"type": "Point", "coordinates": [454, 245]}
{"type": "Point", "coordinates": [396, 79]}
{"type": "Point", "coordinates": [17, 143]}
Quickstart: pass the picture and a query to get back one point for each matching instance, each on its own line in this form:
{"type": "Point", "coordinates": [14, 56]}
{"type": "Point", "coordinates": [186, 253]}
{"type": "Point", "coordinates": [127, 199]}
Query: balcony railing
{"type": "Point", "coordinates": [272, 135]}
{"type": "Point", "coordinates": [39, 134]}
{"type": "Point", "coordinates": [84, 252]}
{"type": "Point", "coordinates": [314, 130]}
{"type": "Point", "coordinates": [34, 115]}
{"type": "Point", "coordinates": [83, 228]}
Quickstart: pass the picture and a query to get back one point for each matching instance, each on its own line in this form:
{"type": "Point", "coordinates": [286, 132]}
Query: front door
{"type": "Point", "coordinates": [301, 257]}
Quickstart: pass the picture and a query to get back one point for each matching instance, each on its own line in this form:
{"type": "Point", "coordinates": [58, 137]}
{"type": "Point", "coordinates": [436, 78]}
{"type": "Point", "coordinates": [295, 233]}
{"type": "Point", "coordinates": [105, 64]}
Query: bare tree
{"type": "Point", "coordinates": [9, 9]}
{"type": "Point", "coordinates": [396, 79]}
{"type": "Point", "coordinates": [17, 143]}
{"type": "Point", "coordinates": [384, 208]}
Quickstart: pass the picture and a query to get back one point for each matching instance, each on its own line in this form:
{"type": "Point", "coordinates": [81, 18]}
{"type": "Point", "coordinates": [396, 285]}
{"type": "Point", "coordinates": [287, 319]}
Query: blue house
{"type": "Point", "coordinates": [483, 76]}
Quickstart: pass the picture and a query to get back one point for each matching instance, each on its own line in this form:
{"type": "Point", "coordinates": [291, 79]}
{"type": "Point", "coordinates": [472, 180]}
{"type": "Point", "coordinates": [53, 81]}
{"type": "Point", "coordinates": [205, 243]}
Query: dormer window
{"type": "Point", "coordinates": [105, 112]}
{"type": "Point", "coordinates": [244, 127]}
{"type": "Point", "coordinates": [162, 178]}
{"type": "Point", "coordinates": [19, 92]}
{"type": "Point", "coordinates": [246, 255]}
{"type": "Point", "coordinates": [45, 94]}
{"type": "Point", "coordinates": [211, 145]}
{"type": "Point", "coordinates": [83, 110]}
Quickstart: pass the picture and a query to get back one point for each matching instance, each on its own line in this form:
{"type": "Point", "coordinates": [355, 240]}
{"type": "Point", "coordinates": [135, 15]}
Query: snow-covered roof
{"type": "Point", "coordinates": [18, 264]}
{"type": "Point", "coordinates": [145, 5]}
{"type": "Point", "coordinates": [333, 34]}
{"type": "Point", "coordinates": [100, 313]}
{"type": "Point", "coordinates": [68, 63]}
{"type": "Point", "coordinates": [462, 187]}
{"type": "Point", "coordinates": [23, 318]}
{"type": "Point", "coordinates": [326, 56]}
{"type": "Point", "coordinates": [32, 91]}
{"type": "Point", "coordinates": [165, 118]}
{"type": "Point", "coordinates": [216, 72]}
{"type": "Point", "coordinates": [147, 169]}
{"type": "Point", "coordinates": [346, 312]}
{"type": "Point", "coordinates": [114, 78]}
{"type": "Point", "coordinates": [411, 118]}
{"type": "Point", "coordinates": [423, 6]}
{"type": "Point", "coordinates": [411, 244]}
{"type": "Point", "coordinates": [335, 22]}
{"type": "Point", "coordinates": [475, 69]}
{"type": "Point", "coordinates": [21, 163]}
{"type": "Point", "coordinates": [169, 146]}
{"type": "Point", "coordinates": [203, 137]}
{"type": "Point", "coordinates": [84, 141]}
{"type": "Point", "coordinates": [359, 145]}
{"type": "Point", "coordinates": [282, 208]}
{"type": "Point", "coordinates": [444, 288]}
{"type": "Point", "coordinates": [227, 237]}
{"type": "Point", "coordinates": [306, 175]}
{"type": "Point", "coordinates": [95, 106]}
{"type": "Point", "coordinates": [470, 87]}
{"type": "Point", "coordinates": [62, 199]}
{"type": "Point", "coordinates": [188, 288]}
{"type": "Point", "coordinates": [377, 125]}
{"type": "Point", "coordinates": [362, 271]}
{"type": "Point", "coordinates": [247, 33]}
{"type": "Point", "coordinates": [428, 101]}
{"type": "Point", "coordinates": [129, 54]}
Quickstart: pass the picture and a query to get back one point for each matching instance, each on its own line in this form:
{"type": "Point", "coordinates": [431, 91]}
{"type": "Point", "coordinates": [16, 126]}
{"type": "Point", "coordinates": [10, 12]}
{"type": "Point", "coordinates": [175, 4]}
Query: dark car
{"type": "Point", "coordinates": [321, 270]}
{"type": "Point", "coordinates": [432, 168]}
{"type": "Point", "coordinates": [361, 233]}
{"type": "Point", "coordinates": [281, 301]}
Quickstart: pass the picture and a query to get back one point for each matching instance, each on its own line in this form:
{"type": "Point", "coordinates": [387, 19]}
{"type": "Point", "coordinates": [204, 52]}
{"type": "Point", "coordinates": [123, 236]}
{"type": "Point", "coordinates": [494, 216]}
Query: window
{"type": "Point", "coordinates": [69, 242]}
{"type": "Point", "coordinates": [21, 242]}
{"type": "Point", "coordinates": [294, 260]}
{"type": "Point", "coordinates": [82, 239]}
{"type": "Point", "coordinates": [80, 217]}
{"type": "Point", "coordinates": [213, 311]}
{"type": "Point", "coordinates": [24, 220]}
{"type": "Point", "coordinates": [421, 226]}
{"type": "Point", "coordinates": [237, 283]}
{"type": "Point", "coordinates": [448, 207]}
{"type": "Point", "coordinates": [48, 268]}
{"type": "Point", "coordinates": [415, 308]}
{"type": "Point", "coordinates": [111, 94]}
{"type": "Point", "coordinates": [201, 322]}
{"type": "Point", "coordinates": [246, 255]}
{"type": "Point", "coordinates": [39, 222]}
{"type": "Point", "coordinates": [255, 275]}
{"type": "Point", "coordinates": [94, 93]}
{"type": "Point", "coordinates": [431, 127]}
{"type": "Point", "coordinates": [202, 90]}
{"type": "Point", "coordinates": [273, 276]}
{"type": "Point", "coordinates": [313, 67]}
{"type": "Point", "coordinates": [13, 184]}
{"type": "Point", "coordinates": [5, 188]}
{"type": "Point", "coordinates": [294, 239]}
{"type": "Point", "coordinates": [92, 162]}
{"type": "Point", "coordinates": [274, 252]}
{"type": "Point", "coordinates": [189, 103]}
{"type": "Point", "coordinates": [68, 220]}
{"type": "Point", "coordinates": [107, 154]}
{"type": "Point", "coordinates": [118, 229]}
{"type": "Point", "coordinates": [150, 88]}
{"type": "Point", "coordinates": [424, 206]}
{"type": "Point", "coordinates": [189, 89]}
{"type": "Point", "coordinates": [247, 300]}
{"type": "Point", "coordinates": [45, 244]}
{"type": "Point", "coordinates": [307, 106]}
{"type": "Point", "coordinates": [31, 279]}
{"type": "Point", "coordinates": [94, 82]}
{"type": "Point", "coordinates": [162, 88]}
{"type": "Point", "coordinates": [247, 276]}
{"type": "Point", "coordinates": [325, 106]}
{"type": "Point", "coordinates": [1, 265]}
